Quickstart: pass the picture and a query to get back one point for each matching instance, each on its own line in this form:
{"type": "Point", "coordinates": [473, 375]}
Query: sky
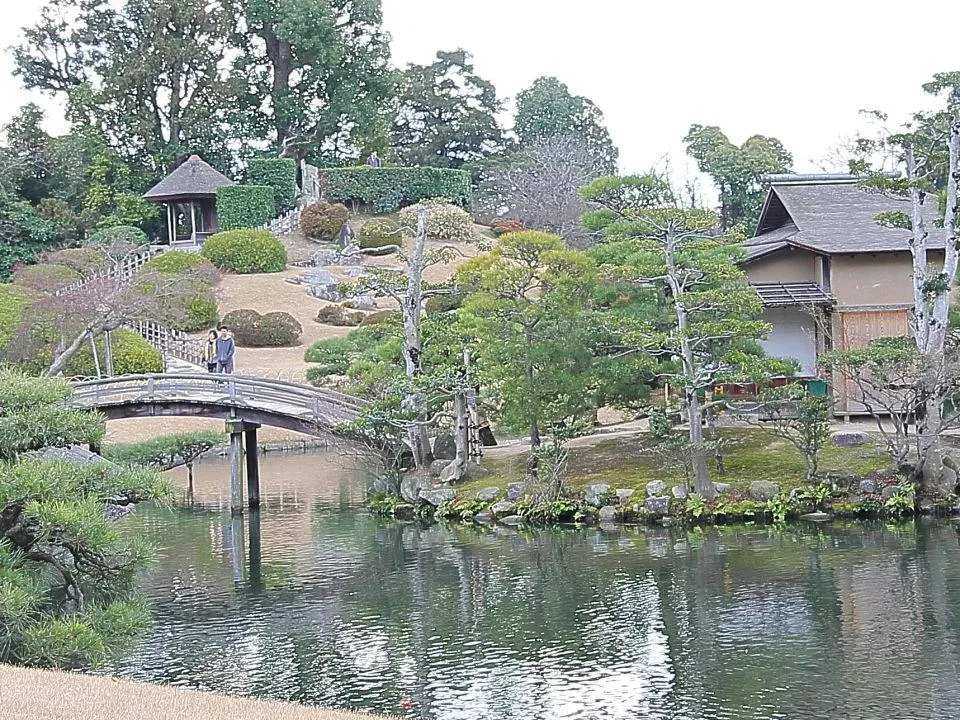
{"type": "Point", "coordinates": [800, 72]}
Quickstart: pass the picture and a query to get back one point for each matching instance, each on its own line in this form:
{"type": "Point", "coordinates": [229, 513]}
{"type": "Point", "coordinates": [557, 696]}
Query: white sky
{"type": "Point", "coordinates": [797, 71]}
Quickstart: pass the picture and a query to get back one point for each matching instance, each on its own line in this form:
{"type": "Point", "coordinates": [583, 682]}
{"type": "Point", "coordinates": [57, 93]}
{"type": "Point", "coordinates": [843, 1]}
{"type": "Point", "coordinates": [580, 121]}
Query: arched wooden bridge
{"type": "Point", "coordinates": [252, 400]}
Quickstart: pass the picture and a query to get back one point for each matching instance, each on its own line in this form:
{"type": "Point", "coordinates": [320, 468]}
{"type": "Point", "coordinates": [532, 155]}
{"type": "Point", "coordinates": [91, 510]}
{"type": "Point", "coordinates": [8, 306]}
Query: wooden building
{"type": "Point", "coordinates": [189, 198]}
{"type": "Point", "coordinates": [828, 274]}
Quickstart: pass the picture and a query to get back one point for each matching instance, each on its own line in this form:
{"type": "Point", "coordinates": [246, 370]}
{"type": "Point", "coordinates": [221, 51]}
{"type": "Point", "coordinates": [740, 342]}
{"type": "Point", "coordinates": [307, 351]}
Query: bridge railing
{"type": "Point", "coordinates": [323, 406]}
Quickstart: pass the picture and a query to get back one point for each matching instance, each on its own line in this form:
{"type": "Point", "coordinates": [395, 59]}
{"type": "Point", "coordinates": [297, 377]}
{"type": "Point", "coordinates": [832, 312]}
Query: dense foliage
{"type": "Point", "coordinates": [13, 300]}
{"type": "Point", "coordinates": [444, 220]}
{"type": "Point", "coordinates": [245, 206]}
{"type": "Point", "coordinates": [275, 329]}
{"type": "Point", "coordinates": [281, 175]}
{"type": "Point", "coordinates": [166, 451]}
{"type": "Point", "coordinates": [322, 221]}
{"type": "Point", "coordinates": [66, 570]}
{"type": "Point", "coordinates": [246, 251]}
{"type": "Point", "coordinates": [387, 189]}
{"type": "Point", "coordinates": [187, 311]}
{"type": "Point", "coordinates": [45, 277]}
{"type": "Point", "coordinates": [132, 355]}
{"type": "Point", "coordinates": [379, 232]}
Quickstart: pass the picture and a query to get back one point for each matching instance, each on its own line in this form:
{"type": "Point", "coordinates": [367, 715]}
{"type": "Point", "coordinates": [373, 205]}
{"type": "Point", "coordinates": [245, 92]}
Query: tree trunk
{"type": "Point", "coordinates": [412, 308]}
{"type": "Point", "coordinates": [461, 435]}
{"type": "Point", "coordinates": [60, 362]}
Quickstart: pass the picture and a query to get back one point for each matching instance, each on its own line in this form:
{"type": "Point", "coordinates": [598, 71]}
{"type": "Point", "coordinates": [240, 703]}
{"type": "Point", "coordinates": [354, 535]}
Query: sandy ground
{"type": "Point", "coordinates": [270, 293]}
{"type": "Point", "coordinates": [45, 695]}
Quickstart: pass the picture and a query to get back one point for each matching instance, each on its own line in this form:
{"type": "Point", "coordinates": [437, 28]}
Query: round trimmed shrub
{"type": "Point", "coordinates": [502, 226]}
{"type": "Point", "coordinates": [379, 232]}
{"type": "Point", "coordinates": [117, 240]}
{"type": "Point", "coordinates": [322, 221]}
{"type": "Point", "coordinates": [201, 312]}
{"type": "Point", "coordinates": [46, 278]}
{"type": "Point", "coordinates": [444, 220]}
{"type": "Point", "coordinates": [132, 355]}
{"type": "Point", "coordinates": [246, 251]}
{"type": "Point", "coordinates": [443, 303]}
{"type": "Point", "coordinates": [176, 262]}
{"type": "Point", "coordinates": [85, 260]}
{"type": "Point", "coordinates": [275, 329]}
{"type": "Point", "coordinates": [339, 316]}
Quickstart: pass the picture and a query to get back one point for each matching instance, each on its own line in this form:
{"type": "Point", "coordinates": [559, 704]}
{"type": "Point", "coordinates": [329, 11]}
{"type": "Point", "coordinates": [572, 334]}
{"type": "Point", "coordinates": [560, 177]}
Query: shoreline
{"type": "Point", "coordinates": [58, 695]}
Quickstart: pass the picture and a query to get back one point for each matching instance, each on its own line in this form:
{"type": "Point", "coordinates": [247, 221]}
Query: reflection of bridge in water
{"type": "Point", "coordinates": [245, 403]}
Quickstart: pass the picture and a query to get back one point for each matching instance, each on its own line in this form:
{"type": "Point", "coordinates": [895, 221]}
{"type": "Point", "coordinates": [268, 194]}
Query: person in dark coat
{"type": "Point", "coordinates": [225, 351]}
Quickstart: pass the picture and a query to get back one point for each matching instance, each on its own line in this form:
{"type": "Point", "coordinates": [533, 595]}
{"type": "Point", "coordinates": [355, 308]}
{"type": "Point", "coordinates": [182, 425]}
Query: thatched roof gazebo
{"type": "Point", "coordinates": [189, 195]}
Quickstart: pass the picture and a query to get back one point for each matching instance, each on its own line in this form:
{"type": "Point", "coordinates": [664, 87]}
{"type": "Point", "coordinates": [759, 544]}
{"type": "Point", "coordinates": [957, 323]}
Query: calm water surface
{"type": "Point", "coordinates": [314, 600]}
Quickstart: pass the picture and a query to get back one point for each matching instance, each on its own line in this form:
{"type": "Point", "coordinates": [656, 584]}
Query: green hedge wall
{"type": "Point", "coordinates": [245, 206]}
{"type": "Point", "coordinates": [281, 175]}
{"type": "Point", "coordinates": [387, 189]}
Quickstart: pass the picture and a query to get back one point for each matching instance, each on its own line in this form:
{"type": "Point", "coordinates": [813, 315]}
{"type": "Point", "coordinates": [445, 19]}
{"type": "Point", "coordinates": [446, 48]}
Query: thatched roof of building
{"type": "Point", "coordinates": [194, 179]}
{"type": "Point", "coordinates": [833, 217]}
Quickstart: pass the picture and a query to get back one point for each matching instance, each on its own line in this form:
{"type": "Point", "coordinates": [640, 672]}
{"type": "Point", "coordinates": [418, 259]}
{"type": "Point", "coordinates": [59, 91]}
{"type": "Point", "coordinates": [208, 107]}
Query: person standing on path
{"type": "Point", "coordinates": [225, 351]}
{"type": "Point", "coordinates": [210, 351]}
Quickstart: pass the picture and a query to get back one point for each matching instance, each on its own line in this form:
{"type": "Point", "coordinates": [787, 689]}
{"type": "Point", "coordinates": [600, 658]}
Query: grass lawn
{"type": "Point", "coordinates": [749, 455]}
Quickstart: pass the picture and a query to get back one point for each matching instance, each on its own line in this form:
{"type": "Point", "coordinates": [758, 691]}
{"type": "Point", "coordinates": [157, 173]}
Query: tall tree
{"type": "Point", "coordinates": [681, 253]}
{"type": "Point", "coordinates": [548, 110]}
{"type": "Point", "coordinates": [150, 74]}
{"type": "Point", "coordinates": [530, 295]}
{"type": "Point", "coordinates": [447, 114]}
{"type": "Point", "coordinates": [736, 171]}
{"type": "Point", "coordinates": [317, 71]}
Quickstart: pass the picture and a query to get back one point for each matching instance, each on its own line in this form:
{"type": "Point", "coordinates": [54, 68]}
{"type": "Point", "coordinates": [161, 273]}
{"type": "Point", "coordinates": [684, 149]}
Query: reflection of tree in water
{"type": "Point", "coordinates": [743, 621]}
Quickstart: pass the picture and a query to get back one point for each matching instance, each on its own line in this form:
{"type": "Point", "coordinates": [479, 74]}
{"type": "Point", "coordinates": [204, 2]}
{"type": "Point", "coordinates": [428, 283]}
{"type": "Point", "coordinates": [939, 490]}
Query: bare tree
{"type": "Point", "coordinates": [541, 188]}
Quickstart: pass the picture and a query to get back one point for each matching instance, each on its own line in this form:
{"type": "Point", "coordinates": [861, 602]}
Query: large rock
{"type": "Point", "coordinates": [445, 447]}
{"type": "Point", "coordinates": [516, 490]}
{"type": "Point", "coordinates": [437, 496]}
{"type": "Point", "coordinates": [868, 486]}
{"type": "Point", "coordinates": [362, 302]}
{"type": "Point", "coordinates": [452, 472]}
{"type": "Point", "coordinates": [656, 488]}
{"type": "Point", "coordinates": [949, 477]}
{"type": "Point", "coordinates": [437, 467]}
{"type": "Point", "coordinates": [324, 257]}
{"type": "Point", "coordinates": [817, 517]}
{"type": "Point", "coordinates": [849, 438]}
{"type": "Point", "coordinates": [321, 284]}
{"type": "Point", "coordinates": [608, 514]}
{"type": "Point", "coordinates": [889, 491]}
{"type": "Point", "coordinates": [597, 495]}
{"type": "Point", "coordinates": [657, 505]}
{"type": "Point", "coordinates": [721, 488]}
{"type": "Point", "coordinates": [488, 494]}
{"type": "Point", "coordinates": [763, 490]}
{"type": "Point", "coordinates": [680, 492]}
{"type": "Point", "coordinates": [504, 508]}
{"type": "Point", "coordinates": [511, 520]}
{"type": "Point", "coordinates": [411, 485]}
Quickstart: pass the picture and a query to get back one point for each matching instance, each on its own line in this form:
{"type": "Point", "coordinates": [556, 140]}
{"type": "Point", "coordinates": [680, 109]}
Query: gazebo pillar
{"type": "Point", "coordinates": [193, 223]}
{"type": "Point", "coordinates": [171, 225]}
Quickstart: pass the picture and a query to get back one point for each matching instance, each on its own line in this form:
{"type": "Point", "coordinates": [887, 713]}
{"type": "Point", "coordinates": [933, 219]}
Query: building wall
{"type": "Point", "coordinates": [854, 330]}
{"type": "Point", "coordinates": [793, 336]}
{"type": "Point", "coordinates": [788, 265]}
{"type": "Point", "coordinates": [874, 280]}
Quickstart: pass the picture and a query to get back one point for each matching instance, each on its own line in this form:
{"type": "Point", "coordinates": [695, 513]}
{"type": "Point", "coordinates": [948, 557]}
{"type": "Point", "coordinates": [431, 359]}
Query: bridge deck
{"type": "Point", "coordinates": [268, 402]}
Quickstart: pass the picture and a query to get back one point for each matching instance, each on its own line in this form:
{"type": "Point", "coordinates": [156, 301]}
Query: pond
{"type": "Point", "coordinates": [316, 601]}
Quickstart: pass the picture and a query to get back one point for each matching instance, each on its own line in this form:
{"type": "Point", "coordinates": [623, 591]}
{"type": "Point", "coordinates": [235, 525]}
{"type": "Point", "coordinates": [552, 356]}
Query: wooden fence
{"type": "Point", "coordinates": [123, 271]}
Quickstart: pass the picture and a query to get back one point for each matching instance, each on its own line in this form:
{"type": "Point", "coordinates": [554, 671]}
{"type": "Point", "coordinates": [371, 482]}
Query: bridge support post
{"type": "Point", "coordinates": [235, 429]}
{"type": "Point", "coordinates": [253, 464]}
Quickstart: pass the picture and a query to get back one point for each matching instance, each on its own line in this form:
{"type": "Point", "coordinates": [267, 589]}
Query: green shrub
{"type": "Point", "coordinates": [166, 451]}
{"type": "Point", "coordinates": [275, 329]}
{"type": "Point", "coordinates": [202, 312]}
{"type": "Point", "coordinates": [502, 226]}
{"type": "Point", "coordinates": [245, 206]}
{"type": "Point", "coordinates": [339, 316]}
{"type": "Point", "coordinates": [322, 221]}
{"type": "Point", "coordinates": [132, 355]}
{"type": "Point", "coordinates": [86, 260]}
{"type": "Point", "coordinates": [117, 240]}
{"type": "Point", "coordinates": [444, 221]}
{"type": "Point", "coordinates": [379, 317]}
{"type": "Point", "coordinates": [332, 356]}
{"type": "Point", "coordinates": [246, 251]}
{"type": "Point", "coordinates": [13, 300]}
{"type": "Point", "coordinates": [46, 278]}
{"type": "Point", "coordinates": [281, 175]}
{"type": "Point", "coordinates": [387, 189]}
{"type": "Point", "coordinates": [175, 262]}
{"type": "Point", "coordinates": [379, 232]}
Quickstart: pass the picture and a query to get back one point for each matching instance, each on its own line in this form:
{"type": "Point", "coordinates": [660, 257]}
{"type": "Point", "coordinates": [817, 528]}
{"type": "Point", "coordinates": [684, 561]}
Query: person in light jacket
{"type": "Point", "coordinates": [225, 350]}
{"type": "Point", "coordinates": [210, 351]}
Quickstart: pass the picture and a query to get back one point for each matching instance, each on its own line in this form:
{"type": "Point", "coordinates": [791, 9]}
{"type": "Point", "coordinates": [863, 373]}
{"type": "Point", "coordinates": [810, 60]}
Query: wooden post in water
{"type": "Point", "coordinates": [235, 429]}
{"type": "Point", "coordinates": [253, 465]}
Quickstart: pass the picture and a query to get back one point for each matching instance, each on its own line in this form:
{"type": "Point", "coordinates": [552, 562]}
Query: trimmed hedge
{"type": "Point", "coordinates": [388, 189]}
{"type": "Point", "coordinates": [46, 278]}
{"type": "Point", "coordinates": [281, 175]}
{"type": "Point", "coordinates": [131, 355]}
{"type": "Point", "coordinates": [246, 251]}
{"type": "Point", "coordinates": [275, 329]}
{"type": "Point", "coordinates": [13, 300]}
{"type": "Point", "coordinates": [175, 262]}
{"type": "Point", "coordinates": [444, 221]}
{"type": "Point", "coordinates": [322, 221]}
{"type": "Point", "coordinates": [379, 232]}
{"type": "Point", "coordinates": [245, 206]}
